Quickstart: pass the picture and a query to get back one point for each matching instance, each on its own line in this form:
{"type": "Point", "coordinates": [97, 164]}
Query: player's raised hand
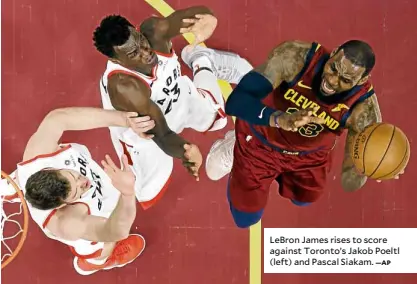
{"type": "Point", "coordinates": [140, 124]}
{"type": "Point", "coordinates": [122, 179]}
{"type": "Point", "coordinates": [202, 26]}
{"type": "Point", "coordinates": [193, 160]}
{"type": "Point", "coordinates": [295, 120]}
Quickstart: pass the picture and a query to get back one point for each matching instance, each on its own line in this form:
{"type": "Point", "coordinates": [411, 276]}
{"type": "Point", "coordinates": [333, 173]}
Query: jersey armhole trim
{"type": "Point", "coordinates": [314, 48]}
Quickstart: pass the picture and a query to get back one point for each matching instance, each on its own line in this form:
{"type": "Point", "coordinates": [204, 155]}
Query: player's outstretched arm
{"type": "Point", "coordinates": [283, 63]}
{"type": "Point", "coordinates": [364, 114]}
{"type": "Point", "coordinates": [167, 28]}
{"type": "Point", "coordinates": [74, 222]}
{"type": "Point", "coordinates": [49, 132]}
{"type": "Point", "coordinates": [130, 94]}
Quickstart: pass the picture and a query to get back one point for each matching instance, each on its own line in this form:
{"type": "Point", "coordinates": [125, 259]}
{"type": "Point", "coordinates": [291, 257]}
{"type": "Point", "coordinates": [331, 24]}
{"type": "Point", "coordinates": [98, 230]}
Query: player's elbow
{"type": "Point", "coordinates": [230, 105]}
{"type": "Point", "coordinates": [350, 187]}
{"type": "Point", "coordinates": [55, 119]}
{"type": "Point", "coordinates": [352, 182]}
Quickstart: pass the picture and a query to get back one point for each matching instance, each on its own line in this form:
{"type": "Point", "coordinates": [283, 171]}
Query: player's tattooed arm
{"type": "Point", "coordinates": [284, 62]}
{"type": "Point", "coordinates": [362, 116]}
{"type": "Point", "coordinates": [130, 94]}
{"type": "Point", "coordinates": [167, 28]}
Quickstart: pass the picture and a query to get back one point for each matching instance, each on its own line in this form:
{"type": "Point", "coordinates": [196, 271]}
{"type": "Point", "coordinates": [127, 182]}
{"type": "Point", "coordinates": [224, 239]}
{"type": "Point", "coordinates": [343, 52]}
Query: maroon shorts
{"type": "Point", "coordinates": [256, 166]}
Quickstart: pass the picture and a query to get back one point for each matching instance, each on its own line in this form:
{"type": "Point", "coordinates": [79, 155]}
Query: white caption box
{"type": "Point", "coordinates": [335, 250]}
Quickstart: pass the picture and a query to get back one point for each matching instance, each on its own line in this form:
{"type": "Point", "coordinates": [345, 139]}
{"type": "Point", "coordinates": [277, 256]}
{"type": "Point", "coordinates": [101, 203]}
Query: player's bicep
{"type": "Point", "coordinates": [129, 94]}
{"type": "Point", "coordinates": [284, 62]}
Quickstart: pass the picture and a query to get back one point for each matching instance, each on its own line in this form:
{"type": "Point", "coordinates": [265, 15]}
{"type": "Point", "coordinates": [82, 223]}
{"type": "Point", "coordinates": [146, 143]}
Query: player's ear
{"type": "Point", "coordinates": [115, 60]}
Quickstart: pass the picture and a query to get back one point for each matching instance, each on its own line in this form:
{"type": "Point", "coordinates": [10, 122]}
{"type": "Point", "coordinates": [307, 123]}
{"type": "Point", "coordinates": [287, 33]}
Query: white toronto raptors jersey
{"type": "Point", "coordinates": [169, 90]}
{"type": "Point", "coordinates": [101, 199]}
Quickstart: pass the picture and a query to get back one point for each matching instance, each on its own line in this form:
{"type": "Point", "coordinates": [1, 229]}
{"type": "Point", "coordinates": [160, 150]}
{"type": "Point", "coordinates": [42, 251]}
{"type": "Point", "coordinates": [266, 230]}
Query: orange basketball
{"type": "Point", "coordinates": [381, 151]}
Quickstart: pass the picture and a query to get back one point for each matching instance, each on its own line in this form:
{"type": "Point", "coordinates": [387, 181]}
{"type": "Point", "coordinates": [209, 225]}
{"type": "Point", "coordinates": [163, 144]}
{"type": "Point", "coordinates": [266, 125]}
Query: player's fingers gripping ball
{"type": "Point", "coordinates": [381, 151]}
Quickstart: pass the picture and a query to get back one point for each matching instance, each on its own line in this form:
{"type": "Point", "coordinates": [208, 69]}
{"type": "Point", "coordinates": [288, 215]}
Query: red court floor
{"type": "Point", "coordinates": [48, 61]}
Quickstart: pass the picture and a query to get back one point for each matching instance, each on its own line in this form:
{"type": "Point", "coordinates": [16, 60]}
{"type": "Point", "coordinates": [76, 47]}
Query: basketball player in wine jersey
{"type": "Point", "coordinates": [289, 137]}
{"type": "Point", "coordinates": [144, 75]}
{"type": "Point", "coordinates": [72, 199]}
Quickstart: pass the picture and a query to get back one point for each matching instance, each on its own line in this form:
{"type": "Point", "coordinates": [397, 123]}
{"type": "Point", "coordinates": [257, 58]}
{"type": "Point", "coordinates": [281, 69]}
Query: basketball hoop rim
{"type": "Point", "coordinates": [25, 220]}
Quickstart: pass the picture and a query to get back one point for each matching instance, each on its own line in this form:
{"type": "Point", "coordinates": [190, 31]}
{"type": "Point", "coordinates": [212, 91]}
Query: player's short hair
{"type": "Point", "coordinates": [47, 189]}
{"type": "Point", "coordinates": [360, 54]}
{"type": "Point", "coordinates": [113, 31]}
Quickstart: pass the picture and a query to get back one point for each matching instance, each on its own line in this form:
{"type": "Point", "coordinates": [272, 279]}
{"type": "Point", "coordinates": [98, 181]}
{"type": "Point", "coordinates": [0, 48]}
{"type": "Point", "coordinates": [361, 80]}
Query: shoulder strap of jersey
{"type": "Point", "coordinates": [315, 50]}
{"type": "Point", "coordinates": [66, 147]}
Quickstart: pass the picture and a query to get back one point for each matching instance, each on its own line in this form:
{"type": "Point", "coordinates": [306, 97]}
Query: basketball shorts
{"type": "Point", "coordinates": [301, 178]}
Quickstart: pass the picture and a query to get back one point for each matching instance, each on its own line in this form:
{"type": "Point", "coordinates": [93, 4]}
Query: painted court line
{"type": "Point", "coordinates": [255, 232]}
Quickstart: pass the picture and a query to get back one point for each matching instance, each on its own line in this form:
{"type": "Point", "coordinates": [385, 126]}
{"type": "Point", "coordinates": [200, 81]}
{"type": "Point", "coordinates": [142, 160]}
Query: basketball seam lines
{"type": "Point", "coordinates": [405, 155]}
{"type": "Point", "coordinates": [364, 149]}
{"type": "Point", "coordinates": [386, 150]}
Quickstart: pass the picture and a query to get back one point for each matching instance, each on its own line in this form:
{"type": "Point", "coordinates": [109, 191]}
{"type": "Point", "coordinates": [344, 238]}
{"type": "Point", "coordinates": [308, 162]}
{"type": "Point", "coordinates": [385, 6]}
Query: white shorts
{"type": "Point", "coordinates": [205, 113]}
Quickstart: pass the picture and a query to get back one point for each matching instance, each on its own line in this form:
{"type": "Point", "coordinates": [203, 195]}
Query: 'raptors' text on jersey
{"type": "Point", "coordinates": [171, 88]}
{"type": "Point", "coordinates": [304, 93]}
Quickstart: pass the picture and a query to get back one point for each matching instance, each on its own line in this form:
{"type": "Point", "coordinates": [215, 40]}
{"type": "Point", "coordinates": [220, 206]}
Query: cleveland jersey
{"type": "Point", "coordinates": [100, 200]}
{"type": "Point", "coordinates": [303, 93]}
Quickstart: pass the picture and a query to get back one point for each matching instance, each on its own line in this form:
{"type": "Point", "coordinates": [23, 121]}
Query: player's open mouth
{"type": "Point", "coordinates": [87, 184]}
{"type": "Point", "coordinates": [326, 88]}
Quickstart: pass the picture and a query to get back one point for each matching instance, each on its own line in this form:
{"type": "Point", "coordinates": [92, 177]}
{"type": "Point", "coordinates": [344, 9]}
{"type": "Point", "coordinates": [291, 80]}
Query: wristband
{"type": "Point", "coordinates": [276, 119]}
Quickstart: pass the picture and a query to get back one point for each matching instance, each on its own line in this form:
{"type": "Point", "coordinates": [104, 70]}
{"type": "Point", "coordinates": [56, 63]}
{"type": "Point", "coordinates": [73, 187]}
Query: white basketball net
{"type": "Point", "coordinates": [12, 219]}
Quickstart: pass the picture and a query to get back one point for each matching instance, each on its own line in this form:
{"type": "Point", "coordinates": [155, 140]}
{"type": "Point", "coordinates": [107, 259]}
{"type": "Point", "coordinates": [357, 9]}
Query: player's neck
{"type": "Point", "coordinates": [148, 71]}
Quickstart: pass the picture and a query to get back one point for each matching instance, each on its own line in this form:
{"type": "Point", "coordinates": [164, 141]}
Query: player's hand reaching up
{"type": "Point", "coordinates": [295, 120]}
{"type": "Point", "coordinates": [193, 160]}
{"type": "Point", "coordinates": [140, 124]}
{"type": "Point", "coordinates": [122, 179]}
{"type": "Point", "coordinates": [202, 26]}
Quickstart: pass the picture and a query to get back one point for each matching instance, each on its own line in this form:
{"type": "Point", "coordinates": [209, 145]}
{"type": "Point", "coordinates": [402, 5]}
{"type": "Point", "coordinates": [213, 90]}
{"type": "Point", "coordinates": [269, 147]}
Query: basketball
{"type": "Point", "coordinates": [381, 151]}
